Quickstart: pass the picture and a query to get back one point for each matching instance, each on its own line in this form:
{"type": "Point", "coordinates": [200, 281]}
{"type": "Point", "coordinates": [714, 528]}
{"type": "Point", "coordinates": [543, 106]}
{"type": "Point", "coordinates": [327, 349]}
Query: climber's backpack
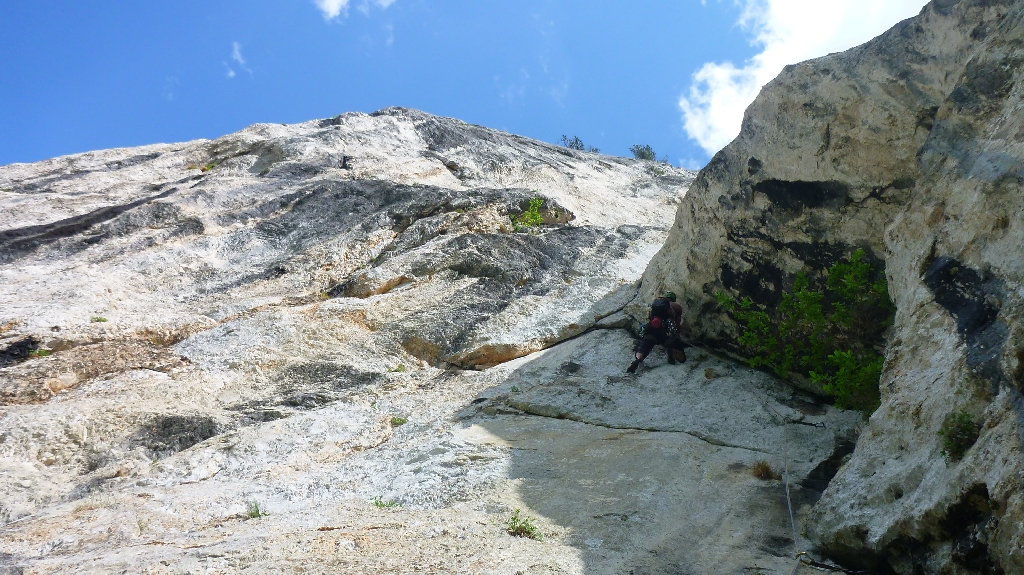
{"type": "Point", "coordinates": [662, 325]}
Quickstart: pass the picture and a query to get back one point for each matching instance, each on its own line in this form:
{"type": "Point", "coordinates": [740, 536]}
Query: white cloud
{"type": "Point", "coordinates": [789, 31]}
{"type": "Point", "coordinates": [333, 8]}
{"type": "Point", "coordinates": [170, 85]}
{"type": "Point", "coordinates": [236, 55]}
{"type": "Point", "coordinates": [559, 92]}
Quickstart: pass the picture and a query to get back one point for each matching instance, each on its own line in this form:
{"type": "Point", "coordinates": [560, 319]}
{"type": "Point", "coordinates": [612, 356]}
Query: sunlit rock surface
{"type": "Point", "coordinates": [251, 339]}
{"type": "Point", "coordinates": [909, 147]}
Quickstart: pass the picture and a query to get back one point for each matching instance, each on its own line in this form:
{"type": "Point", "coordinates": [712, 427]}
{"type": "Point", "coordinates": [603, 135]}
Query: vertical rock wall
{"type": "Point", "coordinates": [909, 147]}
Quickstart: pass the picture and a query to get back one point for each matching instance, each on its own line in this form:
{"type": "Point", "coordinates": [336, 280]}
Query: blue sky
{"type": "Point", "coordinates": [83, 75]}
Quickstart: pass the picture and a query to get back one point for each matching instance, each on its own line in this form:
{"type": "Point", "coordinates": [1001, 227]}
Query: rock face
{"type": "Point", "coordinates": [910, 148]}
{"type": "Point", "coordinates": [325, 346]}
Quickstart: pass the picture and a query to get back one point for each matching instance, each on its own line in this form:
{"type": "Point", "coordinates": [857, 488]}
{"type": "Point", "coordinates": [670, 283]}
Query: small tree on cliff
{"type": "Point", "coordinates": [831, 333]}
{"type": "Point", "coordinates": [643, 152]}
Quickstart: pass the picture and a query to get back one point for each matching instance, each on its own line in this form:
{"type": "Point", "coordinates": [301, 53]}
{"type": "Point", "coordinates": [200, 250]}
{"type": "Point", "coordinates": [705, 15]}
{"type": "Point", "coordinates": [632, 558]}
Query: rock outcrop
{"type": "Point", "coordinates": [910, 148]}
{"type": "Point", "coordinates": [325, 346]}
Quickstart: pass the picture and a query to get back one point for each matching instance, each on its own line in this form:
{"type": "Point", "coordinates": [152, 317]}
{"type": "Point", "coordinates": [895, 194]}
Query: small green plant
{"type": "Point", "coordinates": [522, 526]}
{"type": "Point", "coordinates": [396, 421]}
{"type": "Point", "coordinates": [577, 144]}
{"type": "Point", "coordinates": [400, 368]}
{"type": "Point", "coordinates": [531, 217]}
{"type": "Point", "coordinates": [253, 510]}
{"type": "Point", "coordinates": [97, 319]}
{"type": "Point", "coordinates": [209, 166]}
{"type": "Point", "coordinates": [573, 144]}
{"type": "Point", "coordinates": [959, 432]}
{"type": "Point", "coordinates": [379, 503]}
{"type": "Point", "coordinates": [643, 152]}
{"type": "Point", "coordinates": [514, 389]}
{"type": "Point", "coordinates": [39, 352]}
{"type": "Point", "coordinates": [831, 335]}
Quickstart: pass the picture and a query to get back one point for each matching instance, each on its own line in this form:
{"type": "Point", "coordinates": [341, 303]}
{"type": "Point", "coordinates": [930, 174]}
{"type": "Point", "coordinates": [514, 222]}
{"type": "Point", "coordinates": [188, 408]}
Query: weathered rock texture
{"type": "Point", "coordinates": [910, 147]}
{"type": "Point", "coordinates": [308, 317]}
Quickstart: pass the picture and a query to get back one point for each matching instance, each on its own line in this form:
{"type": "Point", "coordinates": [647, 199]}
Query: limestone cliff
{"type": "Point", "coordinates": [910, 148]}
{"type": "Point", "coordinates": [326, 347]}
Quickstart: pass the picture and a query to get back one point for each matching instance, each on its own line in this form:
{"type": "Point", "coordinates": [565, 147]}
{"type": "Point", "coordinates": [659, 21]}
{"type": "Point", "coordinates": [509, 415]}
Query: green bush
{"type": "Point", "coordinates": [830, 335]}
{"type": "Point", "coordinates": [959, 432]}
{"type": "Point", "coordinates": [643, 152]}
{"type": "Point", "coordinates": [97, 319]}
{"type": "Point", "coordinates": [522, 526]}
{"type": "Point", "coordinates": [531, 217]}
{"type": "Point", "coordinates": [575, 143]}
{"type": "Point", "coordinates": [396, 421]}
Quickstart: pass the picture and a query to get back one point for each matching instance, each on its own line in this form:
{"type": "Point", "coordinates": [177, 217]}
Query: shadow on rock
{"type": "Point", "coordinates": [652, 473]}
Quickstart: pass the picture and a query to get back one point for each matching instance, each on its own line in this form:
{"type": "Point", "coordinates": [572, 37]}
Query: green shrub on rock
{"type": "Point", "coordinates": [829, 333]}
{"type": "Point", "coordinates": [959, 433]}
{"type": "Point", "coordinates": [531, 217]}
{"type": "Point", "coordinates": [643, 152]}
{"type": "Point", "coordinates": [523, 526]}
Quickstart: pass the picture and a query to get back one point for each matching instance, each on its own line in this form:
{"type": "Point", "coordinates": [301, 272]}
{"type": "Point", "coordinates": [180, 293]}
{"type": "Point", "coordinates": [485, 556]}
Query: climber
{"type": "Point", "coordinates": [664, 322]}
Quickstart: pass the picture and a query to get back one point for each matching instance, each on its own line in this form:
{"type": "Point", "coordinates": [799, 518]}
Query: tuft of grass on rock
{"type": "Point", "coordinates": [519, 525]}
{"type": "Point", "coordinates": [254, 511]}
{"type": "Point", "coordinates": [39, 352]}
{"type": "Point", "coordinates": [379, 503]}
{"type": "Point", "coordinates": [97, 319]}
{"type": "Point", "coordinates": [398, 420]}
{"type": "Point", "coordinates": [763, 471]}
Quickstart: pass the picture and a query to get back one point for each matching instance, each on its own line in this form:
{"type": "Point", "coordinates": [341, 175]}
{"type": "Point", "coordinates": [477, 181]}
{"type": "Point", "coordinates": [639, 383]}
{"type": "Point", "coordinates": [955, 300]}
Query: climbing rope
{"type": "Point", "coordinates": [800, 555]}
{"type": "Point", "coordinates": [785, 478]}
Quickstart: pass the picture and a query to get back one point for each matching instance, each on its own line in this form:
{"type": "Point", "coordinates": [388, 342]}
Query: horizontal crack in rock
{"type": "Point", "coordinates": [703, 437]}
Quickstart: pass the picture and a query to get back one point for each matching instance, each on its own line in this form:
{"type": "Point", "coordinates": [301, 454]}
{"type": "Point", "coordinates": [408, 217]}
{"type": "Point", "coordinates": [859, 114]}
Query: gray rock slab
{"type": "Point", "coordinates": [715, 400]}
{"type": "Point", "coordinates": [646, 502]}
